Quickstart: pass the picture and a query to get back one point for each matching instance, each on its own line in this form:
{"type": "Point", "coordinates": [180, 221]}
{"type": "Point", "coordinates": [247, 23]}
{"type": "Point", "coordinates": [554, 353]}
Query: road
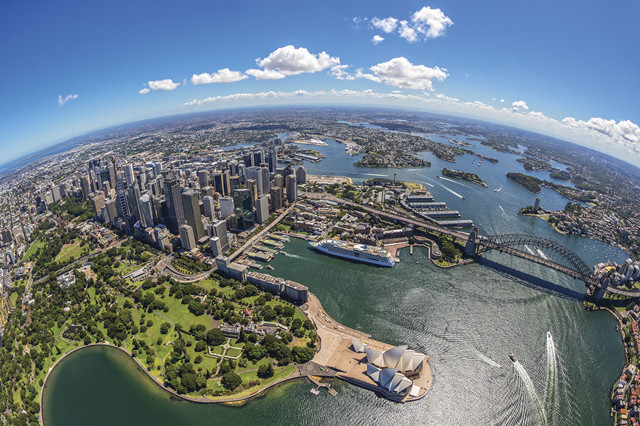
{"type": "Point", "coordinates": [260, 234]}
{"type": "Point", "coordinates": [427, 225]}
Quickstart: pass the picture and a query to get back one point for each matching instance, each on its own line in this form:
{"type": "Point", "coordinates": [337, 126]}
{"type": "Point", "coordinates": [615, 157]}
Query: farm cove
{"type": "Point", "coordinates": [461, 337]}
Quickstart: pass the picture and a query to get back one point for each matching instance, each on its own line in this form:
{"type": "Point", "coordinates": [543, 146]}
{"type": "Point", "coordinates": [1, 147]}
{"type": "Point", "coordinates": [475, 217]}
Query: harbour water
{"type": "Point", "coordinates": [468, 319]}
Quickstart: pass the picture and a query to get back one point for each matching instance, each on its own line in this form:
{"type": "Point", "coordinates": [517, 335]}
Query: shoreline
{"type": "Point", "coordinates": [316, 317]}
{"type": "Point", "coordinates": [621, 331]}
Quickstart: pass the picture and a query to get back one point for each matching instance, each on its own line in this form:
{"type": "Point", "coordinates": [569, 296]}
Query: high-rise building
{"type": "Point", "coordinates": [266, 184]}
{"type": "Point", "coordinates": [112, 212]}
{"type": "Point", "coordinates": [276, 198]}
{"type": "Point", "coordinates": [258, 155]}
{"type": "Point", "coordinates": [208, 206]}
{"type": "Point", "coordinates": [221, 183]}
{"type": "Point", "coordinates": [536, 206]}
{"type": "Point", "coordinates": [122, 205]}
{"type": "Point", "coordinates": [278, 180]}
{"type": "Point", "coordinates": [98, 204]}
{"type": "Point", "coordinates": [254, 174]}
{"type": "Point", "coordinates": [226, 207]}
{"type": "Point", "coordinates": [219, 229]}
{"type": "Point", "coordinates": [86, 186]}
{"type": "Point", "coordinates": [187, 239]}
{"type": "Point", "coordinates": [146, 211]}
{"type": "Point", "coordinates": [301, 175]}
{"type": "Point", "coordinates": [175, 212]}
{"type": "Point", "coordinates": [111, 168]}
{"type": "Point", "coordinates": [292, 189]}
{"type": "Point", "coordinates": [242, 200]}
{"type": "Point", "coordinates": [191, 205]}
{"type": "Point", "coordinates": [216, 249]}
{"type": "Point", "coordinates": [273, 158]}
{"type": "Point", "coordinates": [262, 209]}
{"type": "Point", "coordinates": [203, 178]}
{"type": "Point", "coordinates": [128, 175]}
{"type": "Point", "coordinates": [252, 185]}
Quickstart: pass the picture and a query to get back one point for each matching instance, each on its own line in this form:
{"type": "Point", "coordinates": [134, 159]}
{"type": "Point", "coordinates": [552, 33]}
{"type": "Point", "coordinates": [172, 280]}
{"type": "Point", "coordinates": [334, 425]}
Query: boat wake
{"type": "Point", "coordinates": [452, 191]}
{"type": "Point", "coordinates": [486, 359]}
{"type": "Point", "coordinates": [290, 255]}
{"type": "Point", "coordinates": [374, 174]}
{"type": "Point", "coordinates": [453, 181]}
{"type": "Point", "coordinates": [528, 384]}
{"type": "Point", "coordinates": [542, 255]}
{"type": "Point", "coordinates": [551, 388]}
{"type": "Point", "coordinates": [503, 212]}
{"type": "Point", "coordinates": [529, 250]}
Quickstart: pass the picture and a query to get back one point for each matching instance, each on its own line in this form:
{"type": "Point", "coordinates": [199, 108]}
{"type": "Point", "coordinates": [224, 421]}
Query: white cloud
{"type": "Point", "coordinates": [519, 105]}
{"type": "Point", "coordinates": [387, 24]}
{"type": "Point", "coordinates": [502, 100]}
{"type": "Point", "coordinates": [376, 39]}
{"type": "Point", "coordinates": [224, 75]}
{"type": "Point", "coordinates": [288, 60]}
{"type": "Point", "coordinates": [166, 84]}
{"type": "Point", "coordinates": [400, 72]}
{"type": "Point", "coordinates": [340, 73]}
{"type": "Point", "coordinates": [624, 131]}
{"type": "Point", "coordinates": [431, 22]}
{"type": "Point", "coordinates": [425, 23]}
{"type": "Point", "coordinates": [368, 76]}
{"type": "Point", "coordinates": [407, 32]}
{"type": "Point", "coordinates": [265, 74]}
{"type": "Point", "coordinates": [62, 101]}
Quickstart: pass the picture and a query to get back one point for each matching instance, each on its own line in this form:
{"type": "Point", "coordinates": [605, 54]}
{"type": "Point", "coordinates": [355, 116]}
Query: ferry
{"type": "Point", "coordinates": [513, 358]}
{"type": "Point", "coordinates": [353, 251]}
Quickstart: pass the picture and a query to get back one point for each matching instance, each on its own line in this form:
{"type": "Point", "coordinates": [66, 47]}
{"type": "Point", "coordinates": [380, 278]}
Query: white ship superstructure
{"type": "Point", "coordinates": [358, 252]}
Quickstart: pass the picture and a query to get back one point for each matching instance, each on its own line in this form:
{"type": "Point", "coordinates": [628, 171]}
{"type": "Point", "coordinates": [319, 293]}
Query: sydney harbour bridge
{"type": "Point", "coordinates": [543, 251]}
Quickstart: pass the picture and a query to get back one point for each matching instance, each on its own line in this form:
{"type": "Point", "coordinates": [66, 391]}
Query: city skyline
{"type": "Point", "coordinates": [543, 67]}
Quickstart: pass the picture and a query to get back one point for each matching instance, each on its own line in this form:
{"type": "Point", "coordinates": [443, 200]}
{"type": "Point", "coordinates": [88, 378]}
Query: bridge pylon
{"type": "Point", "coordinates": [470, 247]}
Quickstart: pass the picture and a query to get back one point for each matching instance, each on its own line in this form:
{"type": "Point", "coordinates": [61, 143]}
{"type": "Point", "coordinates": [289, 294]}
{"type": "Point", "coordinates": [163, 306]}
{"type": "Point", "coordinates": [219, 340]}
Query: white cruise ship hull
{"type": "Point", "coordinates": [379, 262]}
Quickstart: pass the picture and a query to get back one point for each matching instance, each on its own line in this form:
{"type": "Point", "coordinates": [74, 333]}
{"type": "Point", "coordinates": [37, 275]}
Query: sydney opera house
{"type": "Point", "coordinates": [393, 370]}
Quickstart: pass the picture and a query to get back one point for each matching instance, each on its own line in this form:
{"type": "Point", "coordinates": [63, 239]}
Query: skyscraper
{"type": "Point", "coordinates": [146, 211]}
{"type": "Point", "coordinates": [273, 158]}
{"type": "Point", "coordinates": [262, 209]}
{"type": "Point", "coordinates": [191, 206]}
{"type": "Point", "coordinates": [175, 212]}
{"type": "Point", "coordinates": [128, 175]}
{"type": "Point", "coordinates": [292, 189]}
{"type": "Point", "coordinates": [219, 229]}
{"type": "Point", "coordinates": [255, 174]}
{"type": "Point", "coordinates": [122, 205]}
{"type": "Point", "coordinates": [86, 186]}
{"type": "Point", "coordinates": [203, 178]}
{"type": "Point", "coordinates": [226, 207]}
{"type": "Point", "coordinates": [276, 198]}
{"type": "Point", "coordinates": [187, 238]}
{"type": "Point", "coordinates": [301, 175]}
{"type": "Point", "coordinates": [209, 208]}
{"type": "Point", "coordinates": [111, 168]}
{"type": "Point", "coordinates": [242, 199]}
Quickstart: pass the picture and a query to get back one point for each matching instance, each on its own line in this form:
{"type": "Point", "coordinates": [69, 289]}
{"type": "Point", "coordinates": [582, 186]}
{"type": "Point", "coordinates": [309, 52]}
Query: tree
{"type": "Point", "coordinates": [265, 370]}
{"type": "Point", "coordinates": [231, 381]}
{"type": "Point", "coordinates": [214, 337]}
{"type": "Point", "coordinates": [164, 327]}
{"type": "Point", "coordinates": [196, 307]}
{"type": "Point", "coordinates": [200, 346]}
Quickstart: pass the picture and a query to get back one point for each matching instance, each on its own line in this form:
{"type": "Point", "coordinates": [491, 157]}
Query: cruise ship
{"type": "Point", "coordinates": [353, 251]}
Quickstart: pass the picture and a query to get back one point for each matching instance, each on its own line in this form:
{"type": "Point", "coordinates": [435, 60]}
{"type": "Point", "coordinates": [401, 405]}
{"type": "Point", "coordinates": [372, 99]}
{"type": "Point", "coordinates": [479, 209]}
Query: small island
{"type": "Point", "coordinates": [391, 159]}
{"type": "Point", "coordinates": [470, 177]}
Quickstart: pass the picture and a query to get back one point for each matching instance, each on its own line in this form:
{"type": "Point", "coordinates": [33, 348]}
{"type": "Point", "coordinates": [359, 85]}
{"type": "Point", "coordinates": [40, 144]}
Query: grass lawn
{"type": "Point", "coordinates": [70, 251]}
{"type": "Point", "coordinates": [180, 314]}
{"type": "Point", "coordinates": [13, 298]}
{"type": "Point", "coordinates": [233, 352]}
{"type": "Point", "coordinates": [32, 250]}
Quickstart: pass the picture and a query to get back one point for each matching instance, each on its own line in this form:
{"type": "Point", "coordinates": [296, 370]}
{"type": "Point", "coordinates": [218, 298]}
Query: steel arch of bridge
{"type": "Point", "coordinates": [513, 240]}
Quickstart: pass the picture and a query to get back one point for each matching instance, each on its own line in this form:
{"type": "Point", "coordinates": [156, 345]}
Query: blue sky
{"type": "Point", "coordinates": [566, 68]}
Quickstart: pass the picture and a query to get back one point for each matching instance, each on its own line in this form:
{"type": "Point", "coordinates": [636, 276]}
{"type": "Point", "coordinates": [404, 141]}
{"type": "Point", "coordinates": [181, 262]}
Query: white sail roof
{"type": "Point", "coordinates": [375, 357]}
{"type": "Point", "coordinates": [373, 372]}
{"type": "Point", "coordinates": [392, 356]}
{"type": "Point", "coordinates": [386, 376]}
{"type": "Point", "coordinates": [358, 346]}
